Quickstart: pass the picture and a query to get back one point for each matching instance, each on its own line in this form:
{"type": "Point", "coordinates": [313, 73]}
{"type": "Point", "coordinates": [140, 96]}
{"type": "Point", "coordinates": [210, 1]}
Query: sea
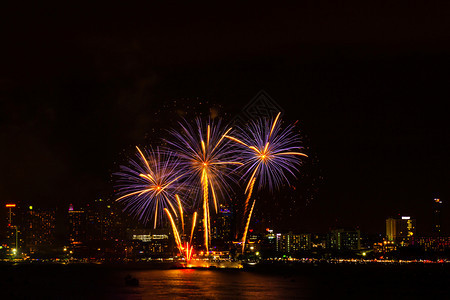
{"type": "Point", "coordinates": [288, 281]}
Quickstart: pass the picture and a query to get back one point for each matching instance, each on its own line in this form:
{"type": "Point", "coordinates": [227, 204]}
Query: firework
{"type": "Point", "coordinates": [184, 248]}
{"type": "Point", "coordinates": [148, 185]}
{"type": "Point", "coordinates": [175, 231]}
{"type": "Point", "coordinates": [268, 153]}
{"type": "Point", "coordinates": [207, 161]}
{"type": "Point", "coordinates": [246, 227]}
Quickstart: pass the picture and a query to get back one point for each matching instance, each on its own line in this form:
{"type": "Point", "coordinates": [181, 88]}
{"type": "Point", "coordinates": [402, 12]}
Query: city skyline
{"type": "Point", "coordinates": [101, 232]}
{"type": "Point", "coordinates": [433, 227]}
{"type": "Point", "coordinates": [98, 206]}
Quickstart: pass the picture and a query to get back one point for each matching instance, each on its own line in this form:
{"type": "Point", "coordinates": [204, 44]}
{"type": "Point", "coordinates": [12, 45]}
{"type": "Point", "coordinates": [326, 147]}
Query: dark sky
{"type": "Point", "coordinates": [369, 85]}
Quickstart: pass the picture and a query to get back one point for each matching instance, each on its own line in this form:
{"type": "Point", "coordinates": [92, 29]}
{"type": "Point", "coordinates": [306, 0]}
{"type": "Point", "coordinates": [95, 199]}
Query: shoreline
{"type": "Point", "coordinates": [261, 266]}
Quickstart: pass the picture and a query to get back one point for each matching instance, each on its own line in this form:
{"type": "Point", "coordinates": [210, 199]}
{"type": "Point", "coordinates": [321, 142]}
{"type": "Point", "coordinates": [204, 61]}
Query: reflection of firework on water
{"type": "Point", "coordinates": [268, 153]}
{"type": "Point", "coordinates": [148, 185]}
{"type": "Point", "coordinates": [206, 160]}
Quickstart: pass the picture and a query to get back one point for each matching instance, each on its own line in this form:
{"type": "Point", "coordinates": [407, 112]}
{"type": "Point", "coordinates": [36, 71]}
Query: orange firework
{"type": "Point", "coordinates": [186, 248]}
{"type": "Point", "coordinates": [246, 227]}
{"type": "Point", "coordinates": [148, 184]}
{"type": "Point", "coordinates": [206, 162]}
{"type": "Point", "coordinates": [268, 154]}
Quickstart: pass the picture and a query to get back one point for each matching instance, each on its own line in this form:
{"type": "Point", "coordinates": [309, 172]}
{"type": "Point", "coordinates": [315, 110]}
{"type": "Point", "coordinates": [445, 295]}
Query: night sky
{"type": "Point", "coordinates": [369, 86]}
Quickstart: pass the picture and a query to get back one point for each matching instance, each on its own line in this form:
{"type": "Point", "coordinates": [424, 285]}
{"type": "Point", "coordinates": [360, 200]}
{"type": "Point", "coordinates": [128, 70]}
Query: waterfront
{"type": "Point", "coordinates": [306, 281]}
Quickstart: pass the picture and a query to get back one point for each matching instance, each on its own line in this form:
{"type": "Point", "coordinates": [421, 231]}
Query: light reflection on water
{"type": "Point", "coordinates": [327, 281]}
{"type": "Point", "coordinates": [216, 284]}
{"type": "Point", "coordinates": [80, 281]}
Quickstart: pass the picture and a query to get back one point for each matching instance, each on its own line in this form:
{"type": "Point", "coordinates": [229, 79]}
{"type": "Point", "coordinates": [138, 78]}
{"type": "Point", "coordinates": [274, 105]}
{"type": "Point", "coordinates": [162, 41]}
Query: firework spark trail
{"type": "Point", "coordinates": [156, 213]}
{"type": "Point", "coordinates": [268, 153]}
{"type": "Point", "coordinates": [246, 226]}
{"type": "Point", "coordinates": [175, 231]}
{"type": "Point", "coordinates": [194, 221]}
{"type": "Point", "coordinates": [148, 184]}
{"type": "Point", "coordinates": [189, 252]}
{"type": "Point", "coordinates": [205, 224]}
{"type": "Point", "coordinates": [181, 211]}
{"type": "Point", "coordinates": [205, 208]}
{"type": "Point", "coordinates": [206, 161]}
{"type": "Point", "coordinates": [248, 196]}
{"type": "Point", "coordinates": [187, 249]}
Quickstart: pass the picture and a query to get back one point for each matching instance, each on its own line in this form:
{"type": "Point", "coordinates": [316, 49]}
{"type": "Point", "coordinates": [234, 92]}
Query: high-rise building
{"type": "Point", "coordinates": [344, 240]}
{"type": "Point", "coordinates": [435, 244]}
{"type": "Point", "coordinates": [269, 242]}
{"type": "Point", "coordinates": [221, 228]}
{"type": "Point", "coordinates": [291, 243]}
{"type": "Point", "coordinates": [77, 226]}
{"type": "Point", "coordinates": [198, 240]}
{"type": "Point", "coordinates": [103, 221]}
{"type": "Point", "coordinates": [39, 228]}
{"type": "Point", "coordinates": [437, 218]}
{"type": "Point", "coordinates": [400, 230]}
{"type": "Point", "coordinates": [11, 207]}
{"type": "Point", "coordinates": [11, 241]}
{"type": "Point", "coordinates": [301, 242]}
{"type": "Point", "coordinates": [318, 241]}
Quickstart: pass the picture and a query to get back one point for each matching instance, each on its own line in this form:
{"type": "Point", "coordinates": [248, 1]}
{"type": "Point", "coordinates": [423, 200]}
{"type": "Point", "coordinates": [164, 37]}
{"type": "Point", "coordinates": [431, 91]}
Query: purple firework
{"type": "Point", "coordinates": [207, 161]}
{"type": "Point", "coordinates": [268, 152]}
{"type": "Point", "coordinates": [206, 158]}
{"type": "Point", "coordinates": [149, 184]}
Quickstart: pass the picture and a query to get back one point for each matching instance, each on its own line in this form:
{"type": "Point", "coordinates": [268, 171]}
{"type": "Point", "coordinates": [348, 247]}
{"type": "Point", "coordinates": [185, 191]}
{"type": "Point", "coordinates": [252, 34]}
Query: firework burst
{"type": "Point", "coordinates": [268, 153]}
{"type": "Point", "coordinates": [149, 185]}
{"type": "Point", "coordinates": [207, 161]}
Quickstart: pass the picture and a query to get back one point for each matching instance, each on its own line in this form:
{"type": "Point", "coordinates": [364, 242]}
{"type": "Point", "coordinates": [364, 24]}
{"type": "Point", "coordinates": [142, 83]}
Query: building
{"type": "Point", "coordinates": [198, 240]}
{"type": "Point", "coordinates": [319, 241]}
{"type": "Point", "coordinates": [153, 243]}
{"type": "Point", "coordinates": [39, 229]}
{"type": "Point", "coordinates": [301, 242]}
{"type": "Point", "coordinates": [384, 247]}
{"type": "Point", "coordinates": [269, 242]}
{"type": "Point", "coordinates": [103, 221]}
{"type": "Point", "coordinates": [344, 240]}
{"type": "Point", "coordinates": [254, 242]}
{"type": "Point", "coordinates": [77, 226]}
{"type": "Point", "coordinates": [437, 218]}
{"type": "Point", "coordinates": [221, 226]}
{"type": "Point", "coordinates": [431, 244]}
{"type": "Point", "coordinates": [292, 243]}
{"type": "Point", "coordinates": [11, 243]}
{"type": "Point", "coordinates": [400, 230]}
